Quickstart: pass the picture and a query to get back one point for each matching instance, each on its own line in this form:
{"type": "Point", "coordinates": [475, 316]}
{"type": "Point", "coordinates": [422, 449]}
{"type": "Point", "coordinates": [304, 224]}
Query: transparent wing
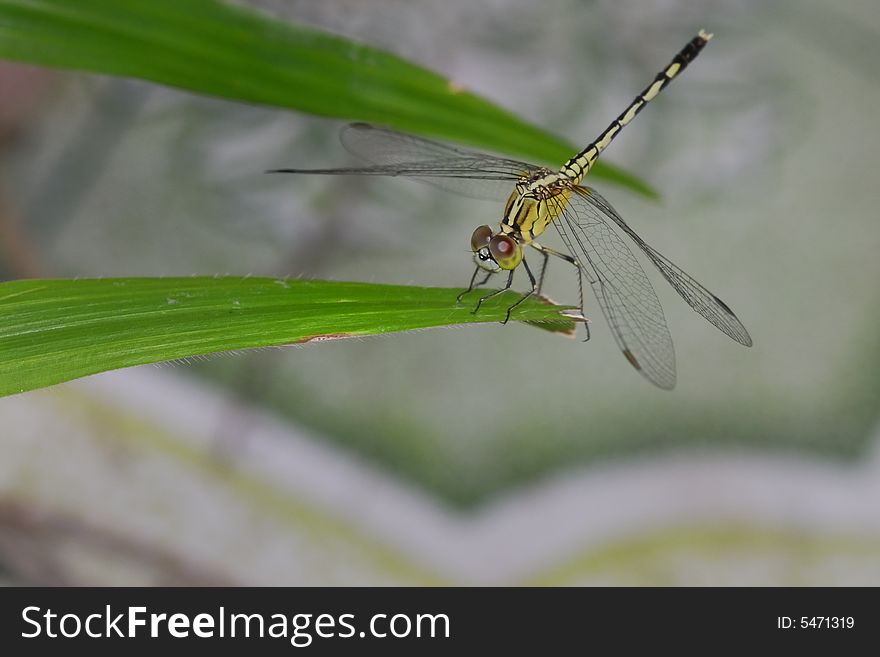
{"type": "Point", "coordinates": [622, 289]}
{"type": "Point", "coordinates": [390, 153]}
{"type": "Point", "coordinates": [697, 296]}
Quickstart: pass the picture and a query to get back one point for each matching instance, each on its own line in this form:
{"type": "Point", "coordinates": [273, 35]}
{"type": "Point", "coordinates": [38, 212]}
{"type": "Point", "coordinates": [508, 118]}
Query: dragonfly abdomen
{"type": "Point", "coordinates": [578, 166]}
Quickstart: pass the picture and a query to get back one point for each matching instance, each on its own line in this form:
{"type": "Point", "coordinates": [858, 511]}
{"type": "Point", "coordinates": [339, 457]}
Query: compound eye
{"type": "Point", "coordinates": [480, 238]}
{"type": "Point", "coordinates": [505, 251]}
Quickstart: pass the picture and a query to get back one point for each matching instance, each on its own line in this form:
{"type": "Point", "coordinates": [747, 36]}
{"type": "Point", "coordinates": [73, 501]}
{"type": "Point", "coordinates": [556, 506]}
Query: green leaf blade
{"type": "Point", "coordinates": [219, 49]}
{"type": "Point", "coordinates": [58, 330]}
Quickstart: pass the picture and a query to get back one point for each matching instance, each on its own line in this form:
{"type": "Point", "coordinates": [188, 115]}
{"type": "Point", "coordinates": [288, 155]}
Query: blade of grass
{"type": "Point", "coordinates": [57, 330]}
{"type": "Point", "coordinates": [215, 48]}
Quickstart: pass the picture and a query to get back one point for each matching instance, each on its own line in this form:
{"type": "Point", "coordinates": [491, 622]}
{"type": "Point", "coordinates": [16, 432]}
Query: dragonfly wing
{"type": "Point", "coordinates": [391, 153]}
{"type": "Point", "coordinates": [697, 296]}
{"type": "Point", "coordinates": [384, 146]}
{"type": "Point", "coordinates": [622, 289]}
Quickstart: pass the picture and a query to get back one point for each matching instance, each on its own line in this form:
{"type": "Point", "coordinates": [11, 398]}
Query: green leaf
{"type": "Point", "coordinates": [57, 330]}
{"type": "Point", "coordinates": [219, 49]}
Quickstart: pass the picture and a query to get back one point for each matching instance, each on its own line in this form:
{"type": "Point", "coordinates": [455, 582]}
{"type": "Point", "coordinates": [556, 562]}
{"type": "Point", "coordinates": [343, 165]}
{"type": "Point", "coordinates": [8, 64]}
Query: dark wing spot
{"type": "Point", "coordinates": [723, 305]}
{"type": "Point", "coordinates": [632, 359]}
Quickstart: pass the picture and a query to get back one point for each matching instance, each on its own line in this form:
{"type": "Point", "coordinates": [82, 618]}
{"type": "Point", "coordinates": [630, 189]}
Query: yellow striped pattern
{"type": "Point", "coordinates": [538, 200]}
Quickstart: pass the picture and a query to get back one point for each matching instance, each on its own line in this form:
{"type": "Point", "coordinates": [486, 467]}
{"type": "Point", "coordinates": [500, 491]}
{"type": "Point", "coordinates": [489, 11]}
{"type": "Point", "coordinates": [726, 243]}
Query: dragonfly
{"type": "Point", "coordinates": [589, 227]}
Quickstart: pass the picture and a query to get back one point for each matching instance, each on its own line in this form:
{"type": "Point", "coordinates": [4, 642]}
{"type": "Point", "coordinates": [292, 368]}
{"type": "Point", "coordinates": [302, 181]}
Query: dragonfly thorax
{"type": "Point", "coordinates": [534, 204]}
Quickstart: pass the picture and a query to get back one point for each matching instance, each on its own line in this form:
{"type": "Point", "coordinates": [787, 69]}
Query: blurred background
{"type": "Point", "coordinates": [486, 455]}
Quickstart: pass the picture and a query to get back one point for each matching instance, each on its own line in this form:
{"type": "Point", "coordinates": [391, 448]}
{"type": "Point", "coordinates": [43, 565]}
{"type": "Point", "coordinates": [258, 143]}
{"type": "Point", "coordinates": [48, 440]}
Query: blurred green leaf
{"type": "Point", "coordinates": [219, 49]}
{"type": "Point", "coordinates": [57, 330]}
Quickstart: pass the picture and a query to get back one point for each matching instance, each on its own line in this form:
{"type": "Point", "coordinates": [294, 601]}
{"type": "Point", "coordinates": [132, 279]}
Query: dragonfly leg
{"type": "Point", "coordinates": [527, 294]}
{"type": "Point", "coordinates": [543, 271]}
{"type": "Point", "coordinates": [473, 284]}
{"type": "Point", "coordinates": [546, 252]}
{"type": "Point", "coordinates": [495, 293]}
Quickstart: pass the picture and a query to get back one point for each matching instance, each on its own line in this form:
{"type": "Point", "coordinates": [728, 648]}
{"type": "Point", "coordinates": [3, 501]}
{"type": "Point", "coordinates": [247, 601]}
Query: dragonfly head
{"type": "Point", "coordinates": [492, 251]}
